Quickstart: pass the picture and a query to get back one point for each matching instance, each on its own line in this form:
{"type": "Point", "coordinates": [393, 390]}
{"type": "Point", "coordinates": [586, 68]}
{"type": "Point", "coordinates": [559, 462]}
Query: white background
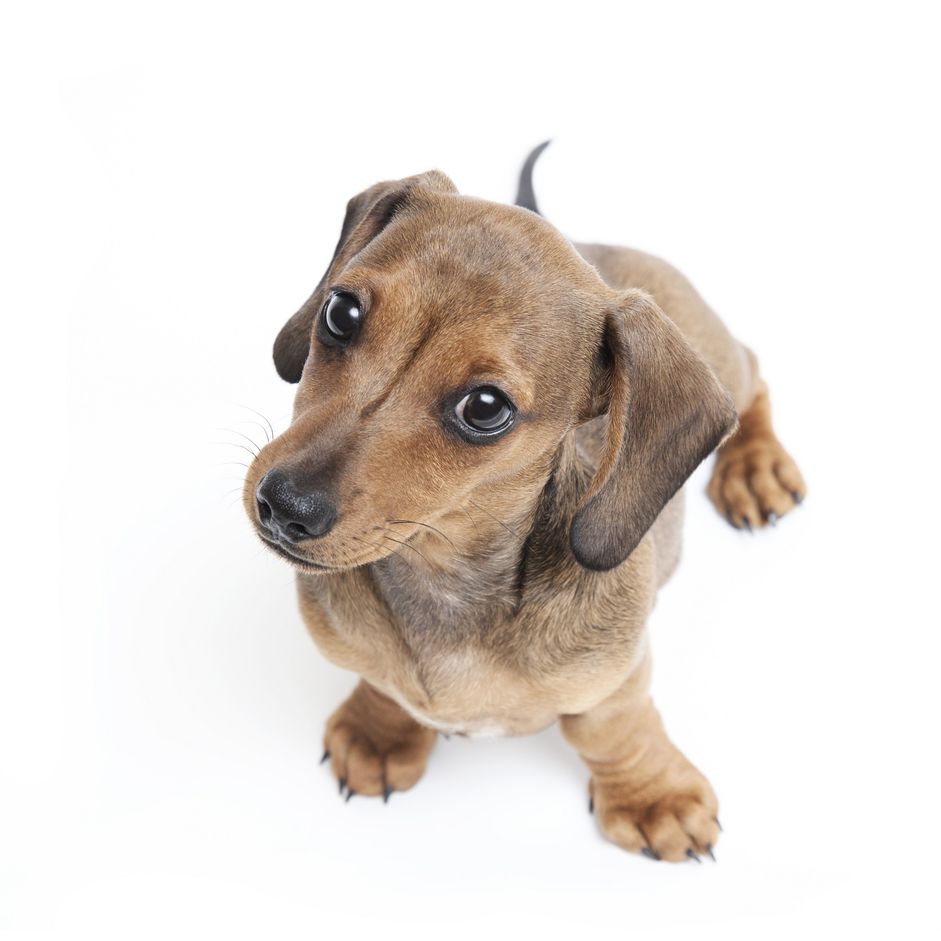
{"type": "Point", "coordinates": [174, 177]}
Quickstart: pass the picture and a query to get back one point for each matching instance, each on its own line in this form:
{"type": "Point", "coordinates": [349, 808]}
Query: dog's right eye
{"type": "Point", "coordinates": [342, 317]}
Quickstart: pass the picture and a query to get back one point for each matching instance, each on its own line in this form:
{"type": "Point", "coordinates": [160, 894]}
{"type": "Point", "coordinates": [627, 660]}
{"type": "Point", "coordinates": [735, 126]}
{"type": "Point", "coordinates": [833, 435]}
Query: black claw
{"type": "Point", "coordinates": [342, 784]}
{"type": "Point", "coordinates": [797, 497]}
{"type": "Point", "coordinates": [712, 855]}
{"type": "Point", "coordinates": [719, 825]}
{"type": "Point", "coordinates": [692, 855]}
{"type": "Point", "coordinates": [650, 853]}
{"type": "Point", "coordinates": [326, 756]}
{"type": "Point", "coordinates": [386, 794]}
{"type": "Point", "coordinates": [591, 805]}
{"type": "Point", "coordinates": [772, 519]}
{"type": "Point", "coordinates": [350, 793]}
{"type": "Point", "coordinates": [728, 516]}
{"type": "Point", "coordinates": [746, 524]}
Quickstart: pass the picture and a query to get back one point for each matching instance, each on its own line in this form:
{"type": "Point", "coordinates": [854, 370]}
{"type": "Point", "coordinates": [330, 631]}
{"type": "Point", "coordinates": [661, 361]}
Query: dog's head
{"type": "Point", "coordinates": [450, 346]}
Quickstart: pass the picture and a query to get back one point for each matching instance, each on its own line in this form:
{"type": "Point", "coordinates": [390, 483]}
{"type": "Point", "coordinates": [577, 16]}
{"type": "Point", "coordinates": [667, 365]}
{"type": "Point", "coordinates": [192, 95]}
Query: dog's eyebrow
{"type": "Point", "coordinates": [504, 373]}
{"type": "Point", "coordinates": [490, 366]}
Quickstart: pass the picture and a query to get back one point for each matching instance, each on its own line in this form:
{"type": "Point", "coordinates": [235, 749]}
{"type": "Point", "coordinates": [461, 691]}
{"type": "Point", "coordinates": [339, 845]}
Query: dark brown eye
{"type": "Point", "coordinates": [485, 410]}
{"type": "Point", "coordinates": [342, 317]}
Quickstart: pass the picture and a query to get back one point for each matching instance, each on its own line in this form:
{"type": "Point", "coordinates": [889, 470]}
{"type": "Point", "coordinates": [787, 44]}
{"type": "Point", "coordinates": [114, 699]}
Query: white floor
{"type": "Point", "coordinates": [161, 703]}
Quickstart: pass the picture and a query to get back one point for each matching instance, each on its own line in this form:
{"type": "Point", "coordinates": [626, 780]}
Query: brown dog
{"type": "Point", "coordinates": [480, 489]}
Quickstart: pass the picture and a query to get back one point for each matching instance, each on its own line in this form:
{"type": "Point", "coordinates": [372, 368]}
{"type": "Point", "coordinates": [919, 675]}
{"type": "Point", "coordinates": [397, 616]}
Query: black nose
{"type": "Point", "coordinates": [291, 512]}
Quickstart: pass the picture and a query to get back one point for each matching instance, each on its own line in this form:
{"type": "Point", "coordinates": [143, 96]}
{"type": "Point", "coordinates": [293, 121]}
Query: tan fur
{"type": "Point", "coordinates": [479, 589]}
{"type": "Point", "coordinates": [755, 481]}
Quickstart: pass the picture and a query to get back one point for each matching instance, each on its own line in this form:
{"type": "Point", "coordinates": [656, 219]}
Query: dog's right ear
{"type": "Point", "coordinates": [366, 216]}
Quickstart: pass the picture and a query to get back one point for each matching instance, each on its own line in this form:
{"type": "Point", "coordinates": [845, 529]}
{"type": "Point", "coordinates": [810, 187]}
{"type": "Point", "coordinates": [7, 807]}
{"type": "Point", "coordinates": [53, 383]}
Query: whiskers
{"type": "Point", "coordinates": [244, 447]}
{"type": "Point", "coordinates": [434, 529]}
{"type": "Point", "coordinates": [246, 443]}
{"type": "Point", "coordinates": [266, 428]}
{"type": "Point", "coordinates": [466, 512]}
{"type": "Point", "coordinates": [385, 550]}
{"type": "Point", "coordinates": [406, 545]}
{"type": "Point", "coordinates": [251, 441]}
{"type": "Point", "coordinates": [496, 519]}
{"type": "Point", "coordinates": [419, 524]}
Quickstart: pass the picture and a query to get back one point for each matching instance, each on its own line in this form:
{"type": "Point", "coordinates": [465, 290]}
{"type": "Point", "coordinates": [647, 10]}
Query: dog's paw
{"type": "Point", "coordinates": [672, 820]}
{"type": "Point", "coordinates": [374, 747]}
{"type": "Point", "coordinates": [755, 482]}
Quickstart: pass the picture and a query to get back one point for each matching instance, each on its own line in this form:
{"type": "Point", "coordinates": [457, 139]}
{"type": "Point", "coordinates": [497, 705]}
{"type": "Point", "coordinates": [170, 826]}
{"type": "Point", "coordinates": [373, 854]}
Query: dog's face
{"type": "Point", "coordinates": [449, 347]}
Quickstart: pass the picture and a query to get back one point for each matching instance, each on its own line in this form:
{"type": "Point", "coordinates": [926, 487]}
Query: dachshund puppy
{"type": "Point", "coordinates": [480, 489]}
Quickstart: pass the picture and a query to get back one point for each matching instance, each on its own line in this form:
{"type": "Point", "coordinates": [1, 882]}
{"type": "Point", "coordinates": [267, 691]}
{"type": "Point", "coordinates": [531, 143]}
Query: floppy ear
{"type": "Point", "coordinates": [666, 413]}
{"type": "Point", "coordinates": [366, 216]}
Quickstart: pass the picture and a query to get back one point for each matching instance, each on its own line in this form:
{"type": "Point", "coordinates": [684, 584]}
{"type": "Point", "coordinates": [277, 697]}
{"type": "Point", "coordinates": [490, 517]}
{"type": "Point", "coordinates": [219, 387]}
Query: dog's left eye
{"type": "Point", "coordinates": [485, 410]}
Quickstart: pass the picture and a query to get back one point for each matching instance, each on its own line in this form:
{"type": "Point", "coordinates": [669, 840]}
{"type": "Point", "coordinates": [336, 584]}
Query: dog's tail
{"type": "Point", "coordinates": [525, 196]}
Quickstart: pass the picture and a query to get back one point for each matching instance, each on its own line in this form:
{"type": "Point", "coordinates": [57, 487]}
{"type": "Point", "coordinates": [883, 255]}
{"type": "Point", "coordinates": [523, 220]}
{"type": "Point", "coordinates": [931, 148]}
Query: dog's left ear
{"type": "Point", "coordinates": [666, 413]}
{"type": "Point", "coordinates": [366, 216]}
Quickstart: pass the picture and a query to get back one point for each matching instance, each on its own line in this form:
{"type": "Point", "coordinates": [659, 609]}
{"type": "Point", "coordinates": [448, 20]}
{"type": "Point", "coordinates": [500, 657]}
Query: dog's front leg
{"type": "Point", "coordinates": [374, 746]}
{"type": "Point", "coordinates": [647, 796]}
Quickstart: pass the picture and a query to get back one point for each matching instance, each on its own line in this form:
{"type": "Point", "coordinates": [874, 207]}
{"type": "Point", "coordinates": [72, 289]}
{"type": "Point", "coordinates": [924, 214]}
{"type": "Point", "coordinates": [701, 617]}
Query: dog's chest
{"type": "Point", "coordinates": [463, 693]}
{"type": "Point", "coordinates": [469, 692]}
{"type": "Point", "coordinates": [479, 670]}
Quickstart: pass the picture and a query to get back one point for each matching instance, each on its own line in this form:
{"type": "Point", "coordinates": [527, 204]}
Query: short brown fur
{"type": "Point", "coordinates": [495, 588]}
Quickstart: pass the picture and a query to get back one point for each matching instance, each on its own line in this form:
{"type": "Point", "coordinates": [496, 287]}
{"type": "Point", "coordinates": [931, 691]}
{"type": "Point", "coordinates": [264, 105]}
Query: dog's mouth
{"type": "Point", "coordinates": [283, 550]}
